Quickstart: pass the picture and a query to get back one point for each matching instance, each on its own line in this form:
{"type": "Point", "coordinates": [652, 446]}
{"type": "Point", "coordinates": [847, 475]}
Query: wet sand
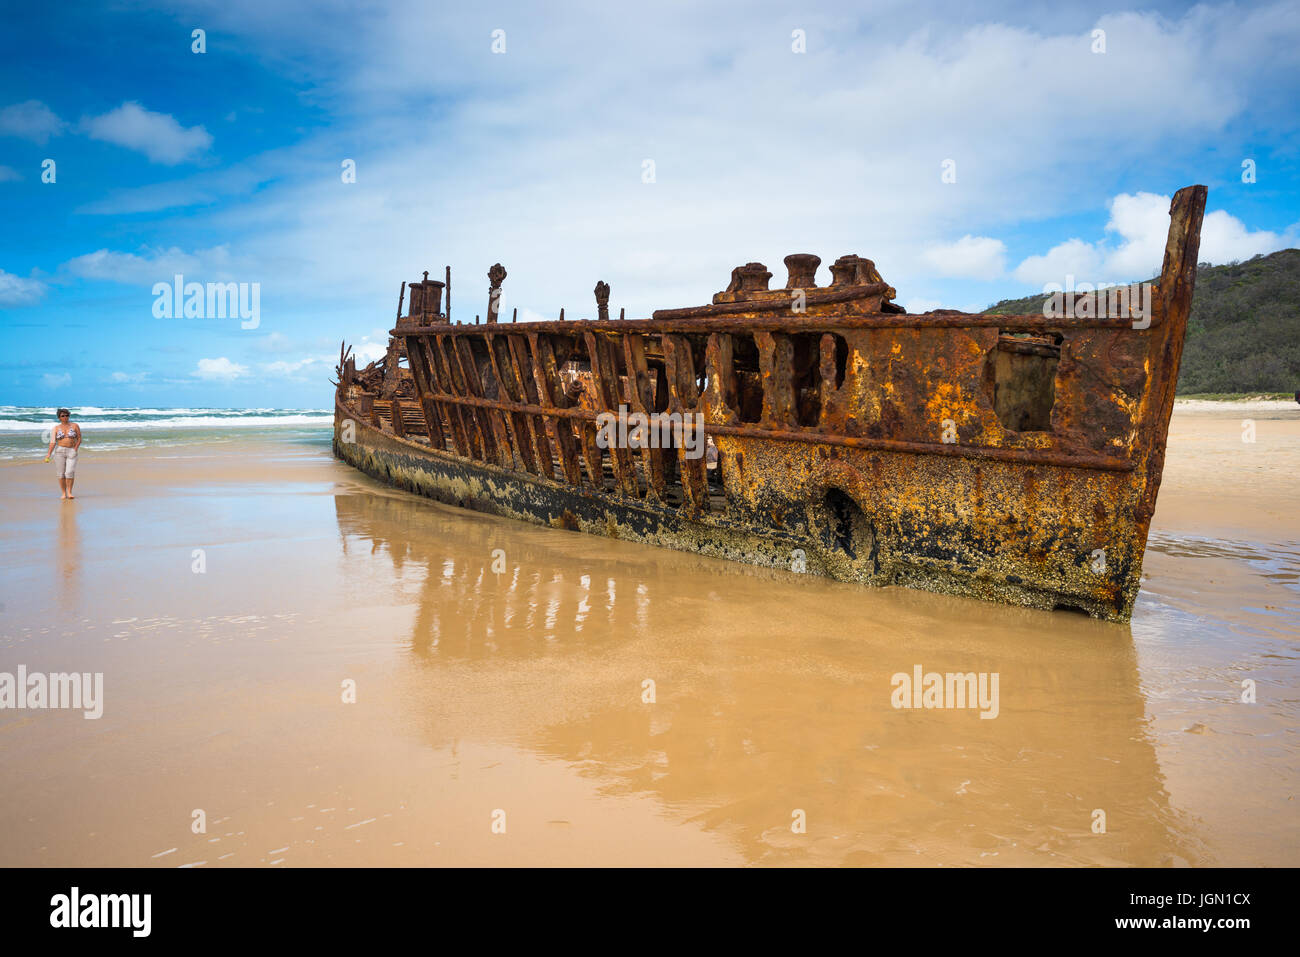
{"type": "Point", "coordinates": [522, 691]}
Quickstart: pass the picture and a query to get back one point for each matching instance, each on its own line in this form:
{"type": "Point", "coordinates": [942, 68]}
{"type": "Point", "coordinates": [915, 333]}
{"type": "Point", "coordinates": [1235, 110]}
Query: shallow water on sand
{"type": "Point", "coordinates": [517, 696]}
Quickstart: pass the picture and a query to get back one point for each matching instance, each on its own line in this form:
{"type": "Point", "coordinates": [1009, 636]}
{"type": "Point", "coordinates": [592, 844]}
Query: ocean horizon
{"type": "Point", "coordinates": [24, 430]}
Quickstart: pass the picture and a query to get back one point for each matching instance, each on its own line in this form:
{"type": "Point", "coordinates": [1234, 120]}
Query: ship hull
{"type": "Point", "coordinates": [1012, 458]}
{"type": "Point", "coordinates": [945, 560]}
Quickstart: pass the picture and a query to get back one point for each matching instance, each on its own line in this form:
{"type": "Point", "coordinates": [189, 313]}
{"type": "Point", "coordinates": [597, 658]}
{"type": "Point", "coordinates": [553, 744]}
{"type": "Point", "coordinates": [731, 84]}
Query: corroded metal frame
{"type": "Point", "coordinates": [941, 494]}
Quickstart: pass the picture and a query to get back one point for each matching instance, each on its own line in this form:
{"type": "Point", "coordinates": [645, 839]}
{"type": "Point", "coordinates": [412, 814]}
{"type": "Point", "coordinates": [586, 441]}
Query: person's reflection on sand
{"type": "Point", "coordinates": [69, 557]}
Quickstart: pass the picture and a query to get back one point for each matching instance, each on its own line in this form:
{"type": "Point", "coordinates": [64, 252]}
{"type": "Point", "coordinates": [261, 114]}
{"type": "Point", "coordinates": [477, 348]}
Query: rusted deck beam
{"type": "Point", "coordinates": [942, 319]}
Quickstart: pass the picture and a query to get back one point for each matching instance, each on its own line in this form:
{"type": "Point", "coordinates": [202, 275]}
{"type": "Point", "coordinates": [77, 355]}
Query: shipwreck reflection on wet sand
{"type": "Point", "coordinates": [772, 694]}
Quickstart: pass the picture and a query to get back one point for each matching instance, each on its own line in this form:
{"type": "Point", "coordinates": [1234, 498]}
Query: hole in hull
{"type": "Point", "coordinates": [1073, 609]}
{"type": "Point", "coordinates": [847, 540]}
{"type": "Point", "coordinates": [843, 512]}
{"type": "Point", "coordinates": [1021, 380]}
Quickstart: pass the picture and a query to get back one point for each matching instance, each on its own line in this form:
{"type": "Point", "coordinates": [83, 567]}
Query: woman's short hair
{"type": "Point", "coordinates": [63, 412]}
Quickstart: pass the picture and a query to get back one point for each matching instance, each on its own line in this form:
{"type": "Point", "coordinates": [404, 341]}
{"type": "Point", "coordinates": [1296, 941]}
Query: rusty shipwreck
{"type": "Point", "coordinates": [1014, 458]}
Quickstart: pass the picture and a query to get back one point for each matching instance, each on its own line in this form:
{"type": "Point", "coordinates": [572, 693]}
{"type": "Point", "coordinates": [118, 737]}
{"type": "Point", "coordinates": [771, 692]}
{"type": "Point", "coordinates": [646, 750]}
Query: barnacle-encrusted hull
{"type": "Point", "coordinates": [1010, 458]}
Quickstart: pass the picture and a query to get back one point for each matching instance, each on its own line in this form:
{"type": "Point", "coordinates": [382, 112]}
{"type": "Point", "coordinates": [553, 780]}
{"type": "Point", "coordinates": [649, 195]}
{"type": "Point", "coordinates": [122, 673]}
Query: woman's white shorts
{"type": "Point", "coordinates": [65, 462]}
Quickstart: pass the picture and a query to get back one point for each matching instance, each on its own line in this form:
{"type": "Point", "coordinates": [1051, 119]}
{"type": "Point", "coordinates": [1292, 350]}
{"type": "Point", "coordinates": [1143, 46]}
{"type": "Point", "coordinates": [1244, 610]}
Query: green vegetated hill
{"type": "Point", "coordinates": [1244, 331]}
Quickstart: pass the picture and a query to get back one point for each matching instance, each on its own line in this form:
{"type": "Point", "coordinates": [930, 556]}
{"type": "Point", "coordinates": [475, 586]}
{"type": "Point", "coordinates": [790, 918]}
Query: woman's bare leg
{"type": "Point", "coordinates": [70, 480]}
{"type": "Point", "coordinates": [63, 487]}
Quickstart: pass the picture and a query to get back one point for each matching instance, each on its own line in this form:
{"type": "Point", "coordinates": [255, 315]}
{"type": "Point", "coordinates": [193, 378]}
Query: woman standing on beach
{"type": "Point", "coordinates": [64, 442]}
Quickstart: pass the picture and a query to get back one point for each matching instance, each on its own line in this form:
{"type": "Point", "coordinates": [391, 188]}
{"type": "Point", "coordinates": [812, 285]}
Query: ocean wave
{"type": "Point", "coordinates": [172, 421]}
{"type": "Point", "coordinates": [165, 410]}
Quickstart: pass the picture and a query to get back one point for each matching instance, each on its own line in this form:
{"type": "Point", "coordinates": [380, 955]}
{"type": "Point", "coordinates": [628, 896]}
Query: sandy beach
{"type": "Point", "coordinates": [234, 593]}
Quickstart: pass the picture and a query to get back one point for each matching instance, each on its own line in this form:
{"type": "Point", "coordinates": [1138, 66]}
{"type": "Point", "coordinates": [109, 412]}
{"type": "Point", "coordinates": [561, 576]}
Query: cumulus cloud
{"type": "Point", "coordinates": [32, 120]}
{"type": "Point", "coordinates": [1073, 257]}
{"type": "Point", "coordinates": [971, 257]}
{"type": "Point", "coordinates": [55, 380]}
{"type": "Point", "coordinates": [157, 135]}
{"type": "Point", "coordinates": [1225, 238]}
{"type": "Point", "coordinates": [17, 291]}
{"type": "Point", "coordinates": [1138, 228]}
{"type": "Point", "coordinates": [1141, 222]}
{"type": "Point", "coordinates": [220, 370]}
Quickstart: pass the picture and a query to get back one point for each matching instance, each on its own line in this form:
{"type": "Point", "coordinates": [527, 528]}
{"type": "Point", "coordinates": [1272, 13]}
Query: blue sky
{"type": "Point", "coordinates": [225, 166]}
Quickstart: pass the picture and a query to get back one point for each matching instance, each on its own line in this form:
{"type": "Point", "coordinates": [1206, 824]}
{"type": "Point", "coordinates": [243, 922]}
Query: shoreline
{"type": "Point", "coordinates": [520, 688]}
{"type": "Point", "coordinates": [1248, 404]}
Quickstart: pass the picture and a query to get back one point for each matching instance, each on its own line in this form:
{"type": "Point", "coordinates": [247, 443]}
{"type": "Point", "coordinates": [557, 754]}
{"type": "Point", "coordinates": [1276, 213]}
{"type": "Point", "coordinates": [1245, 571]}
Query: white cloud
{"type": "Point", "coordinates": [128, 377]}
{"type": "Point", "coordinates": [370, 348]}
{"type": "Point", "coordinates": [9, 175]}
{"type": "Point", "coordinates": [918, 304]}
{"type": "Point", "coordinates": [157, 135]}
{"type": "Point", "coordinates": [1073, 257]}
{"type": "Point", "coordinates": [1225, 238]}
{"type": "Point", "coordinates": [697, 91]}
{"type": "Point", "coordinates": [1140, 225]}
{"type": "Point", "coordinates": [52, 380]}
{"type": "Point", "coordinates": [565, 205]}
{"type": "Point", "coordinates": [154, 265]}
{"type": "Point", "coordinates": [198, 189]}
{"type": "Point", "coordinates": [32, 120]}
{"type": "Point", "coordinates": [17, 291]}
{"type": "Point", "coordinates": [313, 367]}
{"type": "Point", "coordinates": [1142, 222]}
{"type": "Point", "coordinates": [369, 351]}
{"type": "Point", "coordinates": [971, 257]}
{"type": "Point", "coordinates": [220, 369]}
{"type": "Point", "coordinates": [291, 367]}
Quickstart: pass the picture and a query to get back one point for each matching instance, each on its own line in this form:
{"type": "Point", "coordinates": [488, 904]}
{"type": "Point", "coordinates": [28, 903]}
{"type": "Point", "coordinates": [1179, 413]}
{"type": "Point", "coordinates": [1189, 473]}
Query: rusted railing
{"type": "Point", "coordinates": [494, 393]}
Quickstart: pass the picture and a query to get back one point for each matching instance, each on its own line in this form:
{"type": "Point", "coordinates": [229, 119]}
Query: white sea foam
{"type": "Point", "coordinates": [197, 422]}
{"type": "Point", "coordinates": [36, 420]}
